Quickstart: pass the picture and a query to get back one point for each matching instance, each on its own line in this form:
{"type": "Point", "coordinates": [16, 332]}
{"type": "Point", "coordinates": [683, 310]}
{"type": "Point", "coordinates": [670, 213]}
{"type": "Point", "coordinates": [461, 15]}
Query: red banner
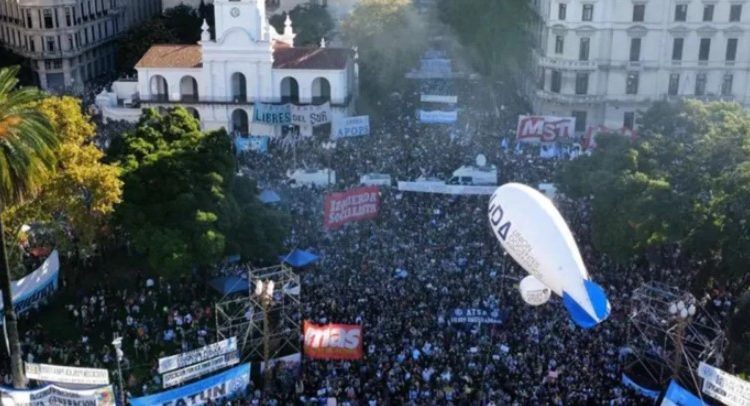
{"type": "Point", "coordinates": [352, 205]}
{"type": "Point", "coordinates": [333, 341]}
{"type": "Point", "coordinates": [545, 128]}
{"type": "Point", "coordinates": [588, 142]}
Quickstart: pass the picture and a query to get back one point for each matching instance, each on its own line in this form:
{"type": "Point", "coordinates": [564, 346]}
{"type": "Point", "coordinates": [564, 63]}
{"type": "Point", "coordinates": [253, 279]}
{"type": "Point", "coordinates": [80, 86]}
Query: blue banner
{"type": "Point", "coordinates": [251, 143]}
{"type": "Point", "coordinates": [36, 286]}
{"type": "Point", "coordinates": [649, 393]}
{"type": "Point", "coordinates": [437, 116]}
{"type": "Point", "coordinates": [474, 315]}
{"type": "Point", "coordinates": [217, 388]}
{"type": "Point", "coordinates": [276, 114]}
{"type": "Point", "coordinates": [681, 396]}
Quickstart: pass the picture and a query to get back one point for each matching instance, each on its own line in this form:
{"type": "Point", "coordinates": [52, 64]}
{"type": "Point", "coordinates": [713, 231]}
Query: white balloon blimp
{"type": "Point", "coordinates": [533, 232]}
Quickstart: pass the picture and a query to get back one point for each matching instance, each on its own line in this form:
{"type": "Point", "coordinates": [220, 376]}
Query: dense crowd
{"type": "Point", "coordinates": [400, 276]}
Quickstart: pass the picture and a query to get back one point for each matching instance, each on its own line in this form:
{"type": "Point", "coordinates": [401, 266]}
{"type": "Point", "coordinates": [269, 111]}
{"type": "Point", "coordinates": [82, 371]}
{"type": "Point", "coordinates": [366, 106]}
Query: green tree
{"type": "Point", "coordinates": [685, 181]}
{"type": "Point", "coordinates": [179, 206]}
{"type": "Point", "coordinates": [391, 37]}
{"type": "Point", "coordinates": [135, 43]}
{"type": "Point", "coordinates": [311, 23]}
{"type": "Point", "coordinates": [79, 198]}
{"type": "Point", "coordinates": [27, 144]}
{"type": "Point", "coordinates": [184, 23]}
{"type": "Point", "coordinates": [495, 34]}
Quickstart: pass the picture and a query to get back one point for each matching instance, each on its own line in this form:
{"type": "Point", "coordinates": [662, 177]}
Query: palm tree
{"type": "Point", "coordinates": [27, 144]}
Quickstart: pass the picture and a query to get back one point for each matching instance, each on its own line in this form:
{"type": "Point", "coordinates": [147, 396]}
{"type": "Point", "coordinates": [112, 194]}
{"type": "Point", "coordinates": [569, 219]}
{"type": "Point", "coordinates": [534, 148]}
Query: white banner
{"type": "Point", "coordinates": [350, 127]}
{"type": "Point", "coordinates": [441, 188]}
{"type": "Point", "coordinates": [434, 98]}
{"type": "Point", "coordinates": [545, 128]}
{"type": "Point", "coordinates": [311, 115]}
{"type": "Point", "coordinates": [179, 376]}
{"type": "Point", "coordinates": [63, 374]}
{"type": "Point", "coordinates": [36, 286]}
{"type": "Point", "coordinates": [723, 386]}
{"type": "Point", "coordinates": [173, 362]}
{"type": "Point", "coordinates": [55, 395]}
{"type": "Point", "coordinates": [437, 116]}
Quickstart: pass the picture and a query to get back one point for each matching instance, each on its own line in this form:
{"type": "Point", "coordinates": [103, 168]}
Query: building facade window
{"type": "Point", "coordinates": [705, 49]}
{"type": "Point", "coordinates": [677, 49]}
{"type": "Point", "coordinates": [639, 12]}
{"type": "Point", "coordinates": [68, 17]}
{"type": "Point", "coordinates": [735, 12]}
{"type": "Point", "coordinates": [700, 84]}
{"type": "Point", "coordinates": [583, 50]}
{"type": "Point", "coordinates": [635, 49]}
{"type": "Point", "coordinates": [582, 83]}
{"type": "Point", "coordinates": [708, 12]}
{"type": "Point", "coordinates": [50, 44]}
{"type": "Point", "coordinates": [680, 12]}
{"type": "Point", "coordinates": [674, 84]}
{"type": "Point", "coordinates": [631, 84]}
{"type": "Point", "coordinates": [731, 49]}
{"type": "Point", "coordinates": [561, 11]}
{"type": "Point", "coordinates": [559, 44]}
{"type": "Point", "coordinates": [48, 18]}
{"type": "Point", "coordinates": [580, 117]}
{"type": "Point", "coordinates": [726, 84]}
{"type": "Point", "coordinates": [628, 120]}
{"type": "Point", "coordinates": [588, 12]}
{"type": "Point", "coordinates": [556, 80]}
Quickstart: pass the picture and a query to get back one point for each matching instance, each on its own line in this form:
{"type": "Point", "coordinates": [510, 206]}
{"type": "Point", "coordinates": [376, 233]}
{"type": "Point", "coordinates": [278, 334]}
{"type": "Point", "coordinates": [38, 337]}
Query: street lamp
{"type": "Point", "coordinates": [681, 312]}
{"type": "Point", "coordinates": [117, 343]}
{"type": "Point", "coordinates": [329, 146]}
{"type": "Point", "coordinates": [264, 292]}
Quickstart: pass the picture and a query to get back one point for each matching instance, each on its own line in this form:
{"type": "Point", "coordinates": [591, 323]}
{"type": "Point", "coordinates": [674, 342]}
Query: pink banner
{"type": "Point", "coordinates": [545, 128]}
{"type": "Point", "coordinates": [352, 205]}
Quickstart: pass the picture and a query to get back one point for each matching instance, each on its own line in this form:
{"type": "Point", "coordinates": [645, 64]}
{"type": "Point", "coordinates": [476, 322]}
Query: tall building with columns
{"type": "Point", "coordinates": [602, 61]}
{"type": "Point", "coordinates": [221, 80]}
{"type": "Point", "coordinates": [69, 42]}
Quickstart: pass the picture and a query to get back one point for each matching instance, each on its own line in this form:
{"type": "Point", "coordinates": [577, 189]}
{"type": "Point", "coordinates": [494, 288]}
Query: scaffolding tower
{"type": "Point", "coordinates": [669, 334]}
{"type": "Point", "coordinates": [244, 317]}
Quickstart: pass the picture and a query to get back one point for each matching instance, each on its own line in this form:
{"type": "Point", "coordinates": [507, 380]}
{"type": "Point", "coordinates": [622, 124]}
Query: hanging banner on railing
{"type": "Point", "coordinates": [437, 116]}
{"type": "Point", "coordinates": [36, 286]}
{"type": "Point", "coordinates": [55, 395]}
{"type": "Point", "coordinates": [218, 389]}
{"type": "Point", "coordinates": [275, 114]}
{"type": "Point", "coordinates": [64, 374]}
{"type": "Point", "coordinates": [545, 128]}
{"type": "Point", "coordinates": [350, 127]}
{"type": "Point", "coordinates": [311, 115]}
{"type": "Point", "coordinates": [204, 353]}
{"type": "Point", "coordinates": [333, 341]}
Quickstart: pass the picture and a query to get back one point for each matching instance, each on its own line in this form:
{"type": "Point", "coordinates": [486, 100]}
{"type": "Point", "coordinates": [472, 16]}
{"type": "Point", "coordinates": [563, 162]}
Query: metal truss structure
{"type": "Point", "coordinates": [244, 317]}
{"type": "Point", "coordinates": [669, 333]}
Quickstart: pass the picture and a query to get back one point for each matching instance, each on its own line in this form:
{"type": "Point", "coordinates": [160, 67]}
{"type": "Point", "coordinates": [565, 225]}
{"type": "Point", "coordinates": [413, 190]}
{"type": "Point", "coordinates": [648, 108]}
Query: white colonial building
{"type": "Point", "coordinates": [603, 60]}
{"type": "Point", "coordinates": [220, 80]}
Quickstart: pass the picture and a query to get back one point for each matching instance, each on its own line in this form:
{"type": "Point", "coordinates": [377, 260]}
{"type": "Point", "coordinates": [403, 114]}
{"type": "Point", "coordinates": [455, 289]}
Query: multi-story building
{"type": "Point", "coordinates": [69, 42]}
{"type": "Point", "coordinates": [603, 60]}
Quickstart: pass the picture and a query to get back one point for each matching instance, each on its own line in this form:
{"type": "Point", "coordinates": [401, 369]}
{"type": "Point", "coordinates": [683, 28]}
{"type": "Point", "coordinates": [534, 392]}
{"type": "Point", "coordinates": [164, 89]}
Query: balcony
{"type": "Point", "coordinates": [192, 100]}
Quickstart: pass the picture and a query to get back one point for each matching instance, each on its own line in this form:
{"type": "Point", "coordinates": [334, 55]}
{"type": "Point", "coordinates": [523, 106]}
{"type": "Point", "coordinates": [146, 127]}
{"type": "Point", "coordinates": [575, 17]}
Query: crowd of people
{"type": "Point", "coordinates": [400, 276]}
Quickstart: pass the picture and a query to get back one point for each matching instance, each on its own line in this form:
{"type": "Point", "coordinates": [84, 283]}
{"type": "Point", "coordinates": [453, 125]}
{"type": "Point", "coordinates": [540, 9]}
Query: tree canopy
{"type": "Point", "coordinates": [684, 182]}
{"type": "Point", "coordinates": [183, 205]}
{"type": "Point", "coordinates": [311, 22]}
{"type": "Point", "coordinates": [77, 200]}
{"type": "Point", "coordinates": [390, 37]}
{"type": "Point", "coordinates": [495, 34]}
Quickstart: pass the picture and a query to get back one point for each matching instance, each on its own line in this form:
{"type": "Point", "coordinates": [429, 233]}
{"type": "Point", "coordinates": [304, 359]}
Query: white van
{"type": "Point", "coordinates": [310, 177]}
{"type": "Point", "coordinates": [376, 179]}
{"type": "Point", "coordinates": [474, 176]}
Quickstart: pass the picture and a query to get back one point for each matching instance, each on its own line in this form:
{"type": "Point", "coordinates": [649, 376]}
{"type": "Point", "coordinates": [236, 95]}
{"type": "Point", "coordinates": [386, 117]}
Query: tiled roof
{"type": "Point", "coordinates": [171, 56]}
{"type": "Point", "coordinates": [311, 58]}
